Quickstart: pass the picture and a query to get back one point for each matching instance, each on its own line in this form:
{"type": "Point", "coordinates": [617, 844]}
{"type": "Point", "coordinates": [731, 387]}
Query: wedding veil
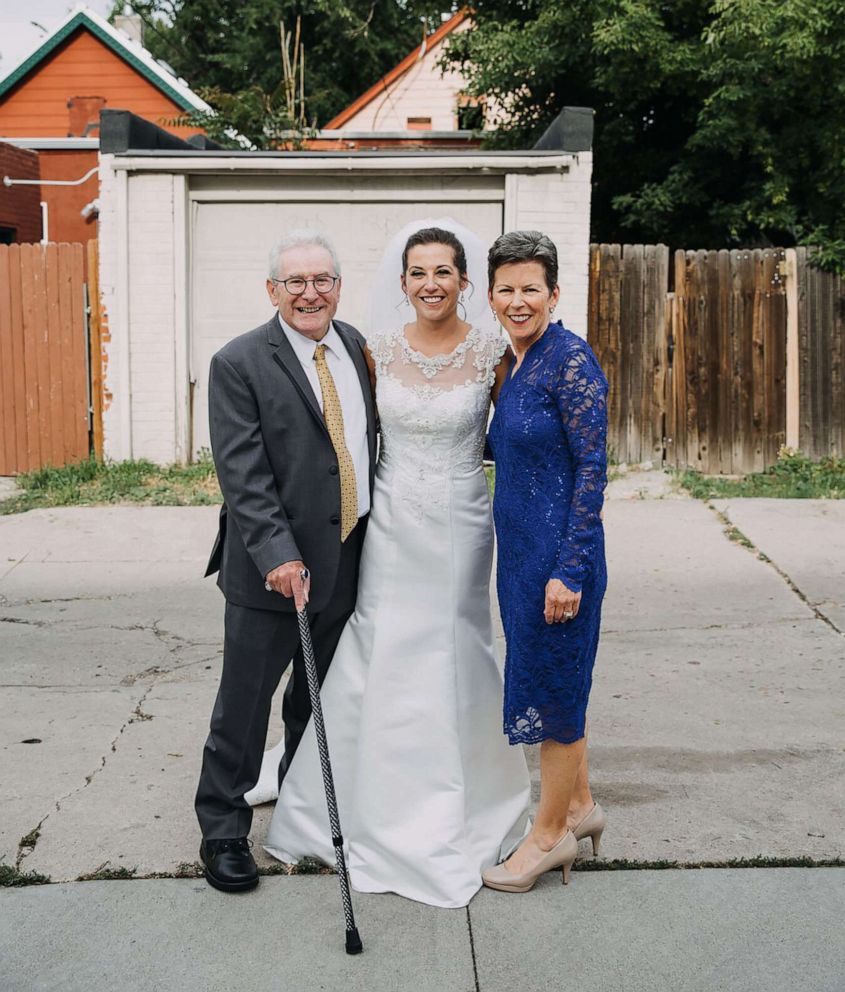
{"type": "Point", "coordinates": [388, 308]}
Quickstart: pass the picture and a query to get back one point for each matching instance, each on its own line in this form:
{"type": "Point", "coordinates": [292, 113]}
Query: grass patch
{"type": "Point", "coordinates": [91, 483]}
{"type": "Point", "coordinates": [793, 476]}
{"type": "Point", "coordinates": [12, 878]}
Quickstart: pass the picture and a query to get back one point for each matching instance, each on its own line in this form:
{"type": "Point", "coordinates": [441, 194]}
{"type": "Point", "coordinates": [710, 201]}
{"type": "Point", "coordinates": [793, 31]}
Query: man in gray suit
{"type": "Point", "coordinates": [293, 436]}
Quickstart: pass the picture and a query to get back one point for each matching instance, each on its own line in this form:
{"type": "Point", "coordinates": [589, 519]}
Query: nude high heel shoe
{"type": "Point", "coordinates": [592, 826]}
{"type": "Point", "coordinates": [560, 856]}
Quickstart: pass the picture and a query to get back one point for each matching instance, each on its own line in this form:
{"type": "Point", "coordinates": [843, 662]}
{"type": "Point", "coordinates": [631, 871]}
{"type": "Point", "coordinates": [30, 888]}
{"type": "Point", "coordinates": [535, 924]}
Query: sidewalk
{"type": "Point", "coordinates": [716, 725]}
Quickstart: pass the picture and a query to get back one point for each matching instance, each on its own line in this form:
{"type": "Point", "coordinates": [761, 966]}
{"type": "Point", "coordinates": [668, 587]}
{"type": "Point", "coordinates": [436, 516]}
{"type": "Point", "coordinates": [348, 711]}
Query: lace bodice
{"type": "Point", "coordinates": [433, 410]}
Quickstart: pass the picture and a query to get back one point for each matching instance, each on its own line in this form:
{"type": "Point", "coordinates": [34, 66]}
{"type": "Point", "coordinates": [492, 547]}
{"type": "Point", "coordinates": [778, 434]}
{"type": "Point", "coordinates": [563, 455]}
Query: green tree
{"type": "Point", "coordinates": [229, 52]}
{"type": "Point", "coordinates": [717, 123]}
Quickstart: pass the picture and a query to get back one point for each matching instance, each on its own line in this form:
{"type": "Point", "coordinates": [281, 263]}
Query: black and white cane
{"type": "Point", "coordinates": [353, 940]}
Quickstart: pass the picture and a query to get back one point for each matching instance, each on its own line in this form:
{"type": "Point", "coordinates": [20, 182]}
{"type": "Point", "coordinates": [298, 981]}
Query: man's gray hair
{"type": "Point", "coordinates": [523, 246]}
{"type": "Point", "coordinates": [301, 237]}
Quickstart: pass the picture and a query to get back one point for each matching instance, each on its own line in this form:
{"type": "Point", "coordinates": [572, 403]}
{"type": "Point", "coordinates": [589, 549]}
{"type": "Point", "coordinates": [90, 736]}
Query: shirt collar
{"type": "Point", "coordinates": [304, 347]}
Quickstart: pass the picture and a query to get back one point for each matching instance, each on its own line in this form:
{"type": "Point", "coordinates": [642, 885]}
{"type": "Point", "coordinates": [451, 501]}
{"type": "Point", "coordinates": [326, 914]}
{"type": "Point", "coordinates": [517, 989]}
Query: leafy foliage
{"type": "Point", "coordinates": [229, 51]}
{"type": "Point", "coordinates": [717, 123]}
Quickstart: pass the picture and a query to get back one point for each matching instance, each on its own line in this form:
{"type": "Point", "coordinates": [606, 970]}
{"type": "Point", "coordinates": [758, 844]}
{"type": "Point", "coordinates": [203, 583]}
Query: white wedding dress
{"type": "Point", "coordinates": [429, 791]}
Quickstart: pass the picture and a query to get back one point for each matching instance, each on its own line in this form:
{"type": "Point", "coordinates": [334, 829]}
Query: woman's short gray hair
{"type": "Point", "coordinates": [523, 246]}
{"type": "Point", "coordinates": [301, 237]}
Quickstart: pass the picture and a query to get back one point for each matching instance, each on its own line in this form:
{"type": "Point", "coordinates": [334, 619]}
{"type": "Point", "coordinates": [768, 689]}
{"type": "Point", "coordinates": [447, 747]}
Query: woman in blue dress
{"type": "Point", "coordinates": [549, 440]}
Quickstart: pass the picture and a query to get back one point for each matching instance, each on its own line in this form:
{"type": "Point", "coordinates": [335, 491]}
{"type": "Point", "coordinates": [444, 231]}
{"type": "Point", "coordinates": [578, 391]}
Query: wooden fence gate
{"type": "Point", "coordinates": [715, 363]}
{"type": "Point", "coordinates": [44, 355]}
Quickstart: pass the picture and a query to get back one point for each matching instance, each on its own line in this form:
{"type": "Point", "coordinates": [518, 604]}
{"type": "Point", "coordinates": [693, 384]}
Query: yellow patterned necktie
{"type": "Point", "coordinates": [333, 416]}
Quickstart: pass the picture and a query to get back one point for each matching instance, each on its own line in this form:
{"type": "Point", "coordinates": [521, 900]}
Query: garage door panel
{"type": "Point", "coordinates": [230, 245]}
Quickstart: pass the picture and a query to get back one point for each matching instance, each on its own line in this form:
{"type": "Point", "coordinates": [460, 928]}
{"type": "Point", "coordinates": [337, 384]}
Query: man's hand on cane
{"type": "Point", "coordinates": [292, 580]}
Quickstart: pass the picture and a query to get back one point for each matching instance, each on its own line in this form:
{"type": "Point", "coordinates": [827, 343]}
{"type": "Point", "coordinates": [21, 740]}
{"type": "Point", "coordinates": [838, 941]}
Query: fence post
{"type": "Point", "coordinates": [95, 348]}
{"type": "Point", "coordinates": [793, 379]}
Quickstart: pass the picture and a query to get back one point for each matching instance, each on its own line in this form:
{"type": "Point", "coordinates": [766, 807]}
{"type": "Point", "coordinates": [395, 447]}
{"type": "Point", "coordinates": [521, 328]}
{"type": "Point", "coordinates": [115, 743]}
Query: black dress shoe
{"type": "Point", "coordinates": [229, 866]}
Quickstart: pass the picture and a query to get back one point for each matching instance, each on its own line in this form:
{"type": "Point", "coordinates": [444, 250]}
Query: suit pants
{"type": "Point", "coordinates": [258, 647]}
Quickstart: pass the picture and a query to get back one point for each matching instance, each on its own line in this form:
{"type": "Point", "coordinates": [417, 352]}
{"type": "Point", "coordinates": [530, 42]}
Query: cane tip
{"type": "Point", "coordinates": [353, 942]}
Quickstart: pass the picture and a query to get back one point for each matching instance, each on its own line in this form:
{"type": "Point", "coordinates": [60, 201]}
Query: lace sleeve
{"type": "Point", "coordinates": [488, 353]}
{"type": "Point", "coordinates": [581, 393]}
{"type": "Point", "coordinates": [381, 348]}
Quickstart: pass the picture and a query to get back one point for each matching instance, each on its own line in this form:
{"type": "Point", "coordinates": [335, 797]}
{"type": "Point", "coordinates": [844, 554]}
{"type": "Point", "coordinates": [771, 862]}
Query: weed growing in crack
{"type": "Point", "coordinates": [308, 866]}
{"type": "Point", "coordinates": [735, 534]}
{"type": "Point", "coordinates": [11, 877]}
{"type": "Point", "coordinates": [759, 861]}
{"type": "Point", "coordinates": [30, 839]}
{"type": "Point", "coordinates": [106, 874]}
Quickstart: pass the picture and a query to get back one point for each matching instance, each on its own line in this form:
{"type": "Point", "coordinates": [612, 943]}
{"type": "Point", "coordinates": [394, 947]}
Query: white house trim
{"type": "Point", "coordinates": [328, 163]}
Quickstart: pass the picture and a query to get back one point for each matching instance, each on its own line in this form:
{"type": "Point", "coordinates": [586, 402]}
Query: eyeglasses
{"type": "Point", "coordinates": [296, 286]}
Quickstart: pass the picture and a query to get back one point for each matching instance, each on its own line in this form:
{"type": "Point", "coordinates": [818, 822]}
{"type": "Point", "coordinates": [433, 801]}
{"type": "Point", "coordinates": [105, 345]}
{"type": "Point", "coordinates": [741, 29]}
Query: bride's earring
{"type": "Point", "coordinates": [406, 301]}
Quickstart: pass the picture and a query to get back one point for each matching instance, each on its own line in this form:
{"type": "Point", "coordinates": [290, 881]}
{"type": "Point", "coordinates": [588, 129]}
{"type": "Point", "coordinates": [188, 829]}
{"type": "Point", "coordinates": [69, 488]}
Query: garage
{"type": "Point", "coordinates": [184, 238]}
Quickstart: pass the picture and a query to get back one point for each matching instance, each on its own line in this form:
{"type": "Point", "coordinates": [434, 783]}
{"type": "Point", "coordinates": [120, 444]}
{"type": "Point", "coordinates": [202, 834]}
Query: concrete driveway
{"type": "Point", "coordinates": [716, 724]}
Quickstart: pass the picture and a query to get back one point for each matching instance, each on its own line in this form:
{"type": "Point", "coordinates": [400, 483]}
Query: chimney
{"type": "Point", "coordinates": [131, 25]}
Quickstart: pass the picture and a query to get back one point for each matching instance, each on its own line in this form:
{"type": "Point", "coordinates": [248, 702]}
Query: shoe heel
{"type": "Point", "coordinates": [565, 872]}
{"type": "Point", "coordinates": [596, 839]}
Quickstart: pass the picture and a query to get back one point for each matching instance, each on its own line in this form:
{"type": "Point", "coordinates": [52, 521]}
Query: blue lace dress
{"type": "Point", "coordinates": [549, 440]}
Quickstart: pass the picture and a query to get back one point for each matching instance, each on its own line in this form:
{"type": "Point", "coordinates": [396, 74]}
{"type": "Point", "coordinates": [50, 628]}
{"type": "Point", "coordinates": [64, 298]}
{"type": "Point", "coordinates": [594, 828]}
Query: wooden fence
{"type": "Point", "coordinates": [44, 380]}
{"type": "Point", "coordinates": [818, 425]}
{"type": "Point", "coordinates": [716, 362]}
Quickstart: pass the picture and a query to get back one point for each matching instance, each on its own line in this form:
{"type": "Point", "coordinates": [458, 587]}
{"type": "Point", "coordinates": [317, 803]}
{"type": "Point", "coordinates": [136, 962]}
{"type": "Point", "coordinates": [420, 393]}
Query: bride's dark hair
{"type": "Point", "coordinates": [436, 236]}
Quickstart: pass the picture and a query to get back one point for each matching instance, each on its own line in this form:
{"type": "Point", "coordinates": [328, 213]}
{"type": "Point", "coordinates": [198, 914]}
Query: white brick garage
{"type": "Point", "coordinates": [184, 240]}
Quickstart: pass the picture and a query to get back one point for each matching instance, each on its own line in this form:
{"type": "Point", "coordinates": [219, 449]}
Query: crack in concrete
{"type": "Point", "coordinates": [472, 951]}
{"type": "Point", "coordinates": [7, 573]}
{"type": "Point", "coordinates": [762, 556]}
{"type": "Point", "coordinates": [29, 623]}
{"type": "Point", "coordinates": [137, 714]}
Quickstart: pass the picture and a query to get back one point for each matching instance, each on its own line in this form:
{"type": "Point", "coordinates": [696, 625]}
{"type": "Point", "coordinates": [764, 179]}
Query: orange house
{"type": "Point", "coordinates": [52, 101]}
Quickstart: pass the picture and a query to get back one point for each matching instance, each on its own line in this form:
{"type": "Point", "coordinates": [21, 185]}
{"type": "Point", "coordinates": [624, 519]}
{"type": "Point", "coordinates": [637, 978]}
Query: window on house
{"type": "Point", "coordinates": [419, 123]}
{"type": "Point", "coordinates": [470, 113]}
{"type": "Point", "coordinates": [471, 117]}
{"type": "Point", "coordinates": [7, 235]}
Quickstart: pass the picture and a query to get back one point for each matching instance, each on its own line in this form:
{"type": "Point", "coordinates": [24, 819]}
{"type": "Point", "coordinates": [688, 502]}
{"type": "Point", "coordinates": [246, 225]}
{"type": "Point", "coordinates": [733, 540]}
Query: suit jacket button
{"type": "Point", "coordinates": [333, 470]}
{"type": "Point", "coordinates": [335, 520]}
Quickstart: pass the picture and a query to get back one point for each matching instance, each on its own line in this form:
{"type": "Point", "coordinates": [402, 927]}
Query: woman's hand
{"type": "Point", "coordinates": [561, 602]}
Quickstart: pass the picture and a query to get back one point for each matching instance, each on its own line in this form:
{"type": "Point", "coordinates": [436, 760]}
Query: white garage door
{"type": "Point", "coordinates": [231, 238]}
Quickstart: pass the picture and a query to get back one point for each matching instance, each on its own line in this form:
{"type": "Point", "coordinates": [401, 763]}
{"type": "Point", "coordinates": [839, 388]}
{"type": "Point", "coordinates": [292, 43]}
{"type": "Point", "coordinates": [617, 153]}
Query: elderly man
{"type": "Point", "coordinates": [293, 436]}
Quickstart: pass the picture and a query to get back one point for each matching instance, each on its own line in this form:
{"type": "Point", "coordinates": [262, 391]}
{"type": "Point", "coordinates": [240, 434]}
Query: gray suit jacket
{"type": "Point", "coordinates": [276, 465]}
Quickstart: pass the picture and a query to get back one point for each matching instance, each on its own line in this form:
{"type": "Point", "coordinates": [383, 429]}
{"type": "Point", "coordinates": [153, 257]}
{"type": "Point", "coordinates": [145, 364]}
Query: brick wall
{"type": "Point", "coordinates": [152, 322]}
{"type": "Point", "coordinates": [20, 206]}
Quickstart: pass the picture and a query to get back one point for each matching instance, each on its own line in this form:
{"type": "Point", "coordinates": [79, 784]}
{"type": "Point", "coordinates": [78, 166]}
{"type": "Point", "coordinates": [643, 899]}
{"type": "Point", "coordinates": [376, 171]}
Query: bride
{"type": "Point", "coordinates": [428, 789]}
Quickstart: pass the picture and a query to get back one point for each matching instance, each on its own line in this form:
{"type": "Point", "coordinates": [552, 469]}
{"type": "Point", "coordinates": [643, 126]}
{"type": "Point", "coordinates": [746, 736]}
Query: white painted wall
{"type": "Point", "coordinates": [183, 256]}
{"type": "Point", "coordinates": [560, 207]}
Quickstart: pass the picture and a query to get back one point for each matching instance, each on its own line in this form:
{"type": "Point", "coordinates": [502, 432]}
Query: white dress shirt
{"type": "Point", "coordinates": [348, 387]}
